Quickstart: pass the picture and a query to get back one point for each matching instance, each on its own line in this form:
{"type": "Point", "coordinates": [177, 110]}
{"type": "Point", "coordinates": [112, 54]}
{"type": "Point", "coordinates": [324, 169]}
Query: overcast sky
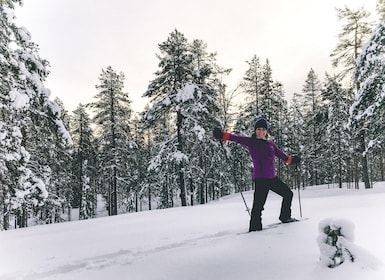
{"type": "Point", "coordinates": [81, 37]}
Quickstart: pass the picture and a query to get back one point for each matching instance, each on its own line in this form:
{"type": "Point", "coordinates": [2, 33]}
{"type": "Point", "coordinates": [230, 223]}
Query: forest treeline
{"type": "Point", "coordinates": [52, 160]}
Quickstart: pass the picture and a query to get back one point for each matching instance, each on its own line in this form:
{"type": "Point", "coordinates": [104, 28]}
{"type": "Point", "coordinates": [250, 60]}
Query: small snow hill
{"type": "Point", "coordinates": [203, 242]}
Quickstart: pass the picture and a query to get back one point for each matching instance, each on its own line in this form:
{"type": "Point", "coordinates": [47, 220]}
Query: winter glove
{"type": "Point", "coordinates": [218, 133]}
{"type": "Point", "coordinates": [295, 160]}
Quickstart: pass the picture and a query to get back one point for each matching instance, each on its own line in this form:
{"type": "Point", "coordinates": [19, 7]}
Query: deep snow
{"type": "Point", "coordinates": [203, 242]}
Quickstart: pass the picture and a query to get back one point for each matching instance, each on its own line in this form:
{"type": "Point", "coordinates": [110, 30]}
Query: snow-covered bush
{"type": "Point", "coordinates": [335, 241]}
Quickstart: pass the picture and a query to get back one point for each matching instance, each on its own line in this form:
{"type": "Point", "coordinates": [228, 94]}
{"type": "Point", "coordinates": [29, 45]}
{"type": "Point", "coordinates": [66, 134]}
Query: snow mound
{"type": "Point", "coordinates": [335, 241]}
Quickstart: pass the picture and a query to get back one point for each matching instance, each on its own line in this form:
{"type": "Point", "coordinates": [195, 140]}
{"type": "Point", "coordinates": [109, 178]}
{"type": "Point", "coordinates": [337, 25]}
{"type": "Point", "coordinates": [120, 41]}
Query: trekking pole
{"type": "Point", "coordinates": [297, 173]}
{"type": "Point", "coordinates": [244, 201]}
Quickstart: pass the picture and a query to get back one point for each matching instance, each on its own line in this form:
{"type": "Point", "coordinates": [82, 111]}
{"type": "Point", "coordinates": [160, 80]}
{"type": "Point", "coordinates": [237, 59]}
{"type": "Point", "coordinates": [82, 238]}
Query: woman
{"type": "Point", "coordinates": [263, 152]}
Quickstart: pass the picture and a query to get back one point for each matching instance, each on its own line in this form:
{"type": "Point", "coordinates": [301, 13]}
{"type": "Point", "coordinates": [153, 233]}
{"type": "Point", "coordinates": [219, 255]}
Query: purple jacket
{"type": "Point", "coordinates": [262, 153]}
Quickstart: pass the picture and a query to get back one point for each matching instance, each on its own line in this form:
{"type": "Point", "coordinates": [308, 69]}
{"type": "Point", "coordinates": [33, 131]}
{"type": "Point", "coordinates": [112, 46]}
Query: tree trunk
{"type": "Point", "coordinates": [182, 186]}
{"type": "Point", "coordinates": [365, 169]}
{"type": "Point", "coordinates": [382, 158]}
{"type": "Point", "coordinates": [114, 193]}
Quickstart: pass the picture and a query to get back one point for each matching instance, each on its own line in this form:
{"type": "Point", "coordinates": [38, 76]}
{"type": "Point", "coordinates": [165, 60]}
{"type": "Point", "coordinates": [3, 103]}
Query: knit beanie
{"type": "Point", "coordinates": [261, 123]}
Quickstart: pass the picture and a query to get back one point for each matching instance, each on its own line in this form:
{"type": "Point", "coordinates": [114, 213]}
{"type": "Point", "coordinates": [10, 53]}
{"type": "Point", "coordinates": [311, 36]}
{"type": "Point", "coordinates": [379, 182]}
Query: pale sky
{"type": "Point", "coordinates": [81, 37]}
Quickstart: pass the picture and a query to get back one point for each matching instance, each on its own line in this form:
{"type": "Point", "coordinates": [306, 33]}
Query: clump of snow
{"type": "Point", "coordinates": [186, 93]}
{"type": "Point", "coordinates": [335, 241]}
{"type": "Point", "coordinates": [38, 183]}
{"type": "Point", "coordinates": [63, 131]}
{"type": "Point", "coordinates": [24, 34]}
{"type": "Point", "coordinates": [179, 157]}
{"type": "Point", "coordinates": [199, 132]}
{"type": "Point", "coordinates": [19, 100]}
{"type": "Point", "coordinates": [167, 101]}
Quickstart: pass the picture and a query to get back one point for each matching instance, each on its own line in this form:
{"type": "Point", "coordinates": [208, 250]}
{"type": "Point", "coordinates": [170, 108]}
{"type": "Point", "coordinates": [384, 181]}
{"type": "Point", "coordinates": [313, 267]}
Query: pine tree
{"type": "Point", "coordinates": [251, 86]}
{"type": "Point", "coordinates": [144, 138]}
{"type": "Point", "coordinates": [367, 110]}
{"type": "Point", "coordinates": [264, 97]}
{"type": "Point", "coordinates": [337, 158]}
{"type": "Point", "coordinates": [296, 143]}
{"type": "Point", "coordinates": [112, 117]}
{"type": "Point", "coordinates": [353, 35]}
{"type": "Point", "coordinates": [141, 158]}
{"type": "Point", "coordinates": [84, 164]}
{"type": "Point", "coordinates": [314, 122]}
{"type": "Point", "coordinates": [202, 116]}
{"type": "Point", "coordinates": [184, 108]}
{"type": "Point", "coordinates": [173, 77]}
{"type": "Point", "coordinates": [27, 184]}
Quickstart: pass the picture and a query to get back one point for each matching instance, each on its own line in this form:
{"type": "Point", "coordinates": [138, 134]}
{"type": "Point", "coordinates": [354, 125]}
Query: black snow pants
{"type": "Point", "coordinates": [261, 190]}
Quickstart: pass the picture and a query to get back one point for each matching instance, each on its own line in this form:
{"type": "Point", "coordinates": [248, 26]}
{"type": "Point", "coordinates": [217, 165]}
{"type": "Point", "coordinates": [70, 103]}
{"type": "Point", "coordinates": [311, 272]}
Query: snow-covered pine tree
{"type": "Point", "coordinates": [174, 76]}
{"type": "Point", "coordinates": [263, 96]}
{"type": "Point", "coordinates": [84, 164]}
{"type": "Point", "coordinates": [368, 109]}
{"type": "Point", "coordinates": [147, 148]}
{"type": "Point", "coordinates": [297, 136]}
{"type": "Point", "coordinates": [116, 157]}
{"type": "Point", "coordinates": [355, 31]}
{"type": "Point", "coordinates": [251, 87]}
{"type": "Point", "coordinates": [140, 173]}
{"type": "Point", "coordinates": [49, 142]}
{"type": "Point", "coordinates": [184, 103]}
{"type": "Point", "coordinates": [62, 166]}
{"type": "Point", "coordinates": [380, 8]}
{"type": "Point", "coordinates": [25, 108]}
{"type": "Point", "coordinates": [201, 115]}
{"type": "Point", "coordinates": [337, 159]}
{"type": "Point", "coordinates": [267, 93]}
{"type": "Point", "coordinates": [311, 106]}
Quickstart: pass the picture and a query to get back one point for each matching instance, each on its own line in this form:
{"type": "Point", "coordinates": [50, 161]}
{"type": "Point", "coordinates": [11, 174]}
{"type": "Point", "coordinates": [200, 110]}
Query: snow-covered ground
{"type": "Point", "coordinates": [203, 242]}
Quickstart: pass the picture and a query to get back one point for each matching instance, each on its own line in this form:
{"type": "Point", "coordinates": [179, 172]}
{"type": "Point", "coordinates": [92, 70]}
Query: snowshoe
{"type": "Point", "coordinates": [290, 220]}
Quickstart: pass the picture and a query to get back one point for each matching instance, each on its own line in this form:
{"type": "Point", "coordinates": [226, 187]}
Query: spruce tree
{"type": "Point", "coordinates": [113, 117]}
{"type": "Point", "coordinates": [314, 123]}
{"type": "Point", "coordinates": [84, 164]}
